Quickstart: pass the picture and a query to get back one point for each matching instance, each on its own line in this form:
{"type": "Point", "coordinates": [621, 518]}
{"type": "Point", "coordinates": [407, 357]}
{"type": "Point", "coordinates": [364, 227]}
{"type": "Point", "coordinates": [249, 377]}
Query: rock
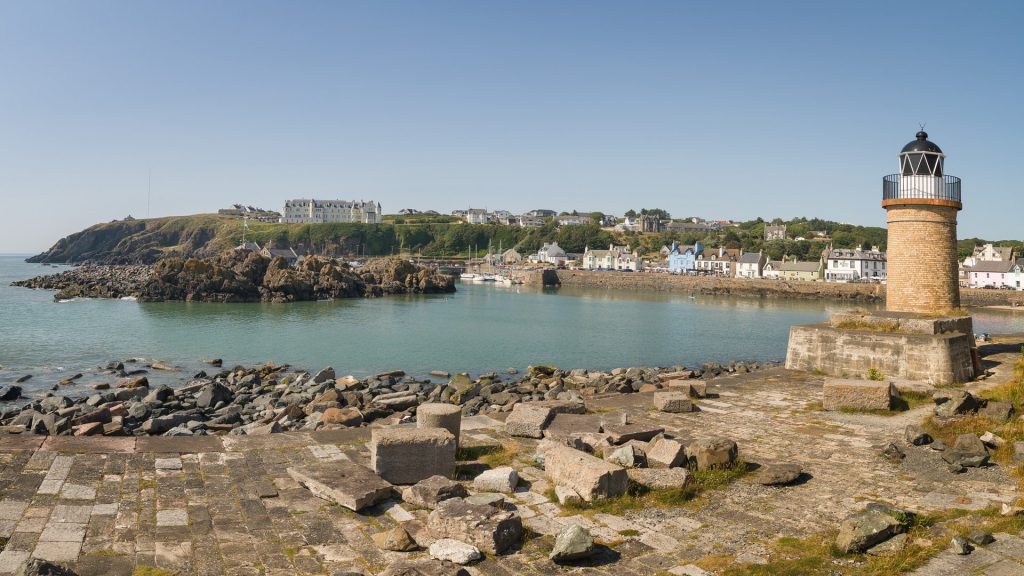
{"type": "Point", "coordinates": [162, 424]}
{"type": "Point", "coordinates": [937, 445]}
{"type": "Point", "coordinates": [659, 478]}
{"type": "Point", "coordinates": [440, 374]}
{"type": "Point", "coordinates": [666, 453]}
{"type": "Point", "coordinates": [395, 540]}
{"type": "Point", "coordinates": [779, 474]}
{"type": "Point", "coordinates": [463, 388]}
{"type": "Point", "coordinates": [137, 382]}
{"type": "Point", "coordinates": [979, 537]}
{"type": "Point", "coordinates": [528, 420]}
{"type": "Point", "coordinates": [591, 478]}
{"type": "Point", "coordinates": [408, 455]}
{"type": "Point", "coordinates": [893, 453]}
{"type": "Point", "coordinates": [842, 393]}
{"type": "Point", "coordinates": [163, 366]}
{"type": "Point", "coordinates": [433, 490]}
{"type": "Point", "coordinates": [325, 375]}
{"type": "Point", "coordinates": [916, 436]}
{"type": "Point", "coordinates": [566, 495]}
{"type": "Point", "coordinates": [990, 439]}
{"type": "Point", "coordinates": [673, 402]}
{"type": "Point", "coordinates": [89, 429]}
{"type": "Point", "coordinates": [449, 550]}
{"type": "Point", "coordinates": [622, 433]}
{"type": "Point", "coordinates": [712, 453]}
{"type": "Point", "coordinates": [574, 542]}
{"type": "Point", "coordinates": [628, 456]}
{"type": "Point", "coordinates": [488, 499]}
{"type": "Point", "coordinates": [8, 393]}
{"type": "Point", "coordinates": [215, 362]}
{"type": "Point", "coordinates": [1018, 451]}
{"type": "Point", "coordinates": [213, 394]}
{"type": "Point", "coordinates": [23, 379]}
{"type": "Point", "coordinates": [1008, 510]}
{"type": "Point", "coordinates": [997, 411]}
{"type": "Point", "coordinates": [968, 451]}
{"type": "Point", "coordinates": [893, 545]}
{"type": "Point", "coordinates": [272, 428]}
{"type": "Point", "coordinates": [342, 416]}
{"type": "Point", "coordinates": [39, 567]}
{"type": "Point", "coordinates": [344, 483]}
{"type": "Point", "coordinates": [866, 529]}
{"type": "Point", "coordinates": [954, 402]}
{"type": "Point", "coordinates": [960, 546]}
{"type": "Point", "coordinates": [490, 529]}
{"type": "Point", "coordinates": [158, 395]}
{"type": "Point", "coordinates": [503, 479]}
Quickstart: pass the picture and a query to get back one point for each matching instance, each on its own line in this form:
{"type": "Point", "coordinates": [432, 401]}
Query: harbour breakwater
{"type": "Point", "coordinates": [272, 398]}
{"type": "Point", "coordinates": [244, 276]}
{"type": "Point", "coordinates": [747, 287]}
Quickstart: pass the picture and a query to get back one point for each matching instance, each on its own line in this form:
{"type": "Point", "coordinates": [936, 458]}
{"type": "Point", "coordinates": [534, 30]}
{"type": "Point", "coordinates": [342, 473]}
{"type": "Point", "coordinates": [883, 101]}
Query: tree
{"type": "Point", "coordinates": [630, 213]}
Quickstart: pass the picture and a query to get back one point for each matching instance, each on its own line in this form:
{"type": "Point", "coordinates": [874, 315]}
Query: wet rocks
{"type": "Point", "coordinates": [8, 393]}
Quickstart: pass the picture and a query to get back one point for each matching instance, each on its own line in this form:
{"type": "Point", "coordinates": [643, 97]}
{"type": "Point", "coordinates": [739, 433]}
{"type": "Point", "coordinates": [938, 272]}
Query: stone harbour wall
{"type": "Point", "coordinates": [710, 285]}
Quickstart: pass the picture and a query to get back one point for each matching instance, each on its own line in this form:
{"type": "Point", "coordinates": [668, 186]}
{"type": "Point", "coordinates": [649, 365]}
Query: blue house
{"type": "Point", "coordinates": [683, 259]}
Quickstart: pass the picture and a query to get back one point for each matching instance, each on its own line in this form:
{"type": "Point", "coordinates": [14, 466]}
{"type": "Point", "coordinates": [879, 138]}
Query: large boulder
{"type": "Point", "coordinates": [591, 477]}
{"type": "Point", "coordinates": [213, 394]}
{"type": "Point", "coordinates": [864, 530]}
{"type": "Point", "coordinates": [574, 542]}
{"type": "Point", "coordinates": [431, 491]}
{"type": "Point", "coordinates": [950, 403]}
{"type": "Point", "coordinates": [528, 420]}
{"type": "Point", "coordinates": [712, 453]}
{"type": "Point", "coordinates": [968, 451]}
{"type": "Point", "coordinates": [486, 527]}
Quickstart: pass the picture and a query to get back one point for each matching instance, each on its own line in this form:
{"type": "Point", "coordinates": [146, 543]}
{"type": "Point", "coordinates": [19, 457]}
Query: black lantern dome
{"type": "Point", "coordinates": [921, 157]}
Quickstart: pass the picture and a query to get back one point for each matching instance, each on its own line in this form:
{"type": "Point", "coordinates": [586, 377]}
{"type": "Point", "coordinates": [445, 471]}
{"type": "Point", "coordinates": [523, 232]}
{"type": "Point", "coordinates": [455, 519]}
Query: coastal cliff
{"type": "Point", "coordinates": [244, 276]}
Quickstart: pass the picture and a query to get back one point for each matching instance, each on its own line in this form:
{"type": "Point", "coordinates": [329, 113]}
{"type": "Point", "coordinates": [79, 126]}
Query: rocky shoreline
{"type": "Point", "coordinates": [244, 276]}
{"type": "Point", "coordinates": [271, 398]}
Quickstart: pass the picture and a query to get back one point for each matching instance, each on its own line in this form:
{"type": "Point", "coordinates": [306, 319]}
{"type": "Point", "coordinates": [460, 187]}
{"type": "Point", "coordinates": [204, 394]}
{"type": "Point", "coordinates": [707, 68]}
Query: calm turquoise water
{"type": "Point", "coordinates": [480, 328]}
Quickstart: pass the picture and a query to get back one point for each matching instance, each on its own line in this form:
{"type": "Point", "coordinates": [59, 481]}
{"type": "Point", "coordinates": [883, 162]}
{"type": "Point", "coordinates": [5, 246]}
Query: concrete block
{"type": "Point", "coordinates": [408, 455]}
{"type": "Point", "coordinates": [344, 483]}
{"type": "Point", "coordinates": [528, 420]}
{"type": "Point", "coordinates": [503, 479]}
{"type": "Point", "coordinates": [712, 453]}
{"type": "Point", "coordinates": [666, 453]}
{"type": "Point", "coordinates": [673, 402]}
{"type": "Point", "coordinates": [857, 394]}
{"type": "Point", "coordinates": [591, 477]}
{"type": "Point", "coordinates": [440, 415]}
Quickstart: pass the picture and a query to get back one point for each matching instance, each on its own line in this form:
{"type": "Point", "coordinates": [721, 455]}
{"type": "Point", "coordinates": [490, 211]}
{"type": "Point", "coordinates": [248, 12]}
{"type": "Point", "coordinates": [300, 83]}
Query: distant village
{"type": "Point", "coordinates": [991, 267]}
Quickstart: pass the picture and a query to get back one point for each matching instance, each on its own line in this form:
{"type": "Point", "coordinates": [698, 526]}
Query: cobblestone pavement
{"type": "Point", "coordinates": [226, 505]}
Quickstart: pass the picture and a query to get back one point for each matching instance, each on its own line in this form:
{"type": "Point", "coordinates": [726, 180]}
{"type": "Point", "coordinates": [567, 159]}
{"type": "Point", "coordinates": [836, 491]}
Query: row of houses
{"type": "Point", "coordinates": [993, 267]}
{"type": "Point", "coordinates": [832, 266]}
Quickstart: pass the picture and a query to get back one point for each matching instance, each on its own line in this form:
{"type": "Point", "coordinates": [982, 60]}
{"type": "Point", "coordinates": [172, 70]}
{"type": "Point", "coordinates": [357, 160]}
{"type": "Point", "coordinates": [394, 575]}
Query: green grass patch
{"type": "Point", "coordinates": [639, 498]}
{"type": "Point", "coordinates": [151, 571]}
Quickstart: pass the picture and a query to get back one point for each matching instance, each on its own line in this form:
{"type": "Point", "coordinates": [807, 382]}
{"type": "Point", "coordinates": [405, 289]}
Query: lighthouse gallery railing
{"type": "Point", "coordinates": [946, 188]}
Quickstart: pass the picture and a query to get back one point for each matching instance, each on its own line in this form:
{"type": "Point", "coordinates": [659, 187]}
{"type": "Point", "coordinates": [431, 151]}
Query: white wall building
{"type": "Point", "coordinates": [551, 254]}
{"type": "Point", "coordinates": [855, 265]}
{"type": "Point", "coordinates": [997, 274]}
{"type": "Point", "coordinates": [614, 258]}
{"type": "Point", "coordinates": [307, 211]}
{"type": "Point", "coordinates": [477, 216]}
{"type": "Point", "coordinates": [751, 265]}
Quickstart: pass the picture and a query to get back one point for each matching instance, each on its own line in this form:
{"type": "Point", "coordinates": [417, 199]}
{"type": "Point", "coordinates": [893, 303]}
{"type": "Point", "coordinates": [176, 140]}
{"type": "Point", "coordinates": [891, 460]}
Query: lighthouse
{"type": "Point", "coordinates": [922, 202]}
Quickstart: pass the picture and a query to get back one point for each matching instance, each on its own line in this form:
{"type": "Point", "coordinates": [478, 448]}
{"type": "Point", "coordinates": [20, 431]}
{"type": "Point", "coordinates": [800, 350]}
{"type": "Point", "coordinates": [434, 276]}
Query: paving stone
{"type": "Point", "coordinates": [77, 492]}
{"type": "Point", "coordinates": [348, 485]}
{"type": "Point", "coordinates": [57, 551]}
{"type": "Point", "coordinates": [172, 517]}
{"type": "Point", "coordinates": [11, 561]}
{"type": "Point", "coordinates": [12, 509]}
{"type": "Point", "coordinates": [168, 463]}
{"type": "Point", "coordinates": [63, 532]}
{"type": "Point", "coordinates": [66, 513]}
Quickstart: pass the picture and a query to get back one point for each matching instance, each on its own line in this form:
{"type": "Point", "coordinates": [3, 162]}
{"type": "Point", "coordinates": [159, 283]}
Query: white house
{"type": "Point", "coordinates": [477, 216]}
{"type": "Point", "coordinates": [311, 211]}
{"type": "Point", "coordinates": [531, 222]}
{"type": "Point", "coordinates": [994, 274]}
{"type": "Point", "coordinates": [719, 262]}
{"type": "Point", "coordinates": [989, 253]}
{"type": "Point", "coordinates": [614, 258]}
{"type": "Point", "coordinates": [570, 220]}
{"type": "Point", "coordinates": [855, 265]}
{"type": "Point", "coordinates": [751, 265]}
{"type": "Point", "coordinates": [550, 254]}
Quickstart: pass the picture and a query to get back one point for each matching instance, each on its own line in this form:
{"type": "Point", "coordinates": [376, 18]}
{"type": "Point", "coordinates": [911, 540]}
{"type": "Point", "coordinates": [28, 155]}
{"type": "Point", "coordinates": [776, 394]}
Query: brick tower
{"type": "Point", "coordinates": [922, 203]}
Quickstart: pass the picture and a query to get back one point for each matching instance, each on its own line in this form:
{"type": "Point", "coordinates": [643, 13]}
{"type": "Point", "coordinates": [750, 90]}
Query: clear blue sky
{"type": "Point", "coordinates": [718, 109]}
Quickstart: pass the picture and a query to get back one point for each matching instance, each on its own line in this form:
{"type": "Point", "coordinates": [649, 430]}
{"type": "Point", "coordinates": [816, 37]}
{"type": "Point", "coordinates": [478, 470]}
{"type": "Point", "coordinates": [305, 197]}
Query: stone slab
{"type": "Point", "coordinates": [179, 444]}
{"type": "Point", "coordinates": [591, 477]}
{"type": "Point", "coordinates": [346, 484]}
{"type": "Point", "coordinates": [14, 442]}
{"type": "Point", "coordinates": [842, 393]}
{"type": "Point", "coordinates": [622, 433]}
{"type": "Point", "coordinates": [89, 444]}
{"type": "Point", "coordinates": [528, 420]}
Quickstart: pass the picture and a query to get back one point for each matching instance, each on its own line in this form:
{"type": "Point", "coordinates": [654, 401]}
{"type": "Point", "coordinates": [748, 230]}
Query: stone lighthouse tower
{"type": "Point", "coordinates": [922, 202]}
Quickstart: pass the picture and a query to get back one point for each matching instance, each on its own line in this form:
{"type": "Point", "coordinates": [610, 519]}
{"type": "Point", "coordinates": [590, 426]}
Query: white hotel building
{"type": "Point", "coordinates": [306, 211]}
